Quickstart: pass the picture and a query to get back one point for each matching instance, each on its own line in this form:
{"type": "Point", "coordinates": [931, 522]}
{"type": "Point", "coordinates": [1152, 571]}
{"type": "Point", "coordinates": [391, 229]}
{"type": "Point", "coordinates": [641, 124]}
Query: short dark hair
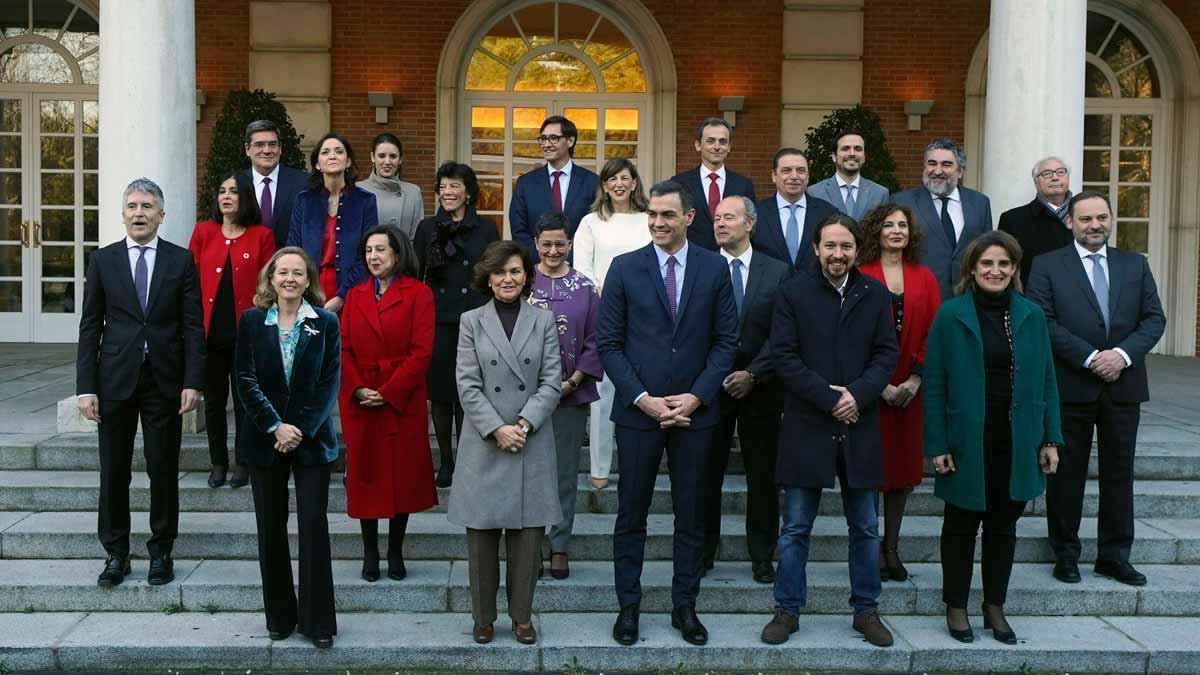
{"type": "Point", "coordinates": [872, 226]}
{"type": "Point", "coordinates": [387, 137]}
{"type": "Point", "coordinates": [1085, 195]}
{"type": "Point", "coordinates": [494, 256]}
{"type": "Point", "coordinates": [713, 122]}
{"type": "Point", "coordinates": [852, 131]}
{"type": "Point", "coordinates": [406, 257]}
{"type": "Point", "coordinates": [569, 130]}
{"type": "Point", "coordinates": [315, 180]}
{"type": "Point", "coordinates": [784, 152]}
{"type": "Point", "coordinates": [975, 251]}
{"type": "Point", "coordinates": [247, 211]}
{"type": "Point", "coordinates": [258, 126]}
{"type": "Point", "coordinates": [551, 221]}
{"type": "Point", "coordinates": [462, 172]}
{"type": "Point", "coordinates": [960, 156]}
{"type": "Point", "coordinates": [670, 187]}
{"type": "Point", "coordinates": [843, 220]}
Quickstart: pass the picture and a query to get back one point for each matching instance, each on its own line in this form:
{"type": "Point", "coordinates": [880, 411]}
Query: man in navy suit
{"type": "Point", "coordinates": [667, 335]}
{"type": "Point", "coordinates": [1104, 313]}
{"type": "Point", "coordinates": [951, 216]}
{"type": "Point", "coordinates": [711, 182]}
{"type": "Point", "coordinates": [275, 186]}
{"type": "Point", "coordinates": [787, 219]}
{"type": "Point", "coordinates": [560, 185]}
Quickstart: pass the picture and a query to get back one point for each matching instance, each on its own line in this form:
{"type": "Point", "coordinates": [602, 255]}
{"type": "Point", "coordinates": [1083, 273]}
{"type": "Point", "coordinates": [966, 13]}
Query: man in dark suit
{"type": "Point", "coordinates": [275, 185]}
{"type": "Point", "coordinates": [1041, 225]}
{"type": "Point", "coordinates": [667, 334]}
{"type": "Point", "coordinates": [1105, 316]}
{"type": "Point", "coordinates": [141, 354]}
{"type": "Point", "coordinates": [787, 220]}
{"type": "Point", "coordinates": [711, 182]}
{"type": "Point", "coordinates": [950, 215]}
{"type": "Point", "coordinates": [561, 185]}
{"type": "Point", "coordinates": [750, 399]}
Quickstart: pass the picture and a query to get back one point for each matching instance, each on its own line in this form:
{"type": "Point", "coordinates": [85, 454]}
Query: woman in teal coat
{"type": "Point", "coordinates": [991, 424]}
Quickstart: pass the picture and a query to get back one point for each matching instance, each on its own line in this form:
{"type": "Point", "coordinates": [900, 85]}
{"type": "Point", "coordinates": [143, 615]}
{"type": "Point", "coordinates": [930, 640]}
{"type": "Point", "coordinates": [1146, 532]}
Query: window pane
{"type": "Point", "coordinates": [621, 124]}
{"type": "Point", "coordinates": [91, 153]}
{"type": "Point", "coordinates": [1097, 130]}
{"type": "Point", "coordinates": [584, 151]}
{"type": "Point", "coordinates": [87, 254]}
{"type": "Point", "coordinates": [91, 225]}
{"type": "Point", "coordinates": [58, 297]}
{"type": "Point", "coordinates": [1135, 166]}
{"type": "Point", "coordinates": [1133, 201]}
{"type": "Point", "coordinates": [1095, 83]}
{"type": "Point", "coordinates": [10, 224]}
{"type": "Point", "coordinates": [91, 117]}
{"type": "Point", "coordinates": [91, 189]}
{"type": "Point", "coordinates": [58, 117]}
{"type": "Point", "coordinates": [586, 120]}
{"type": "Point", "coordinates": [487, 123]}
{"type": "Point", "coordinates": [1140, 81]}
{"type": "Point", "coordinates": [526, 150]}
{"type": "Point", "coordinates": [537, 22]}
{"type": "Point", "coordinates": [555, 71]}
{"type": "Point", "coordinates": [58, 261]}
{"type": "Point", "coordinates": [10, 152]}
{"type": "Point", "coordinates": [90, 69]}
{"type": "Point", "coordinates": [491, 194]}
{"type": "Point", "coordinates": [58, 152]}
{"type": "Point", "coordinates": [10, 295]}
{"type": "Point", "coordinates": [485, 73]}
{"type": "Point", "coordinates": [574, 23]}
{"type": "Point", "coordinates": [1098, 27]}
{"type": "Point", "coordinates": [1096, 165]}
{"type": "Point", "coordinates": [1133, 236]}
{"type": "Point", "coordinates": [608, 42]}
{"type": "Point", "coordinates": [1123, 49]}
{"type": "Point", "coordinates": [10, 260]}
{"type": "Point", "coordinates": [625, 75]}
{"type": "Point", "coordinates": [58, 188]}
{"type": "Point", "coordinates": [82, 34]}
{"type": "Point", "coordinates": [58, 225]}
{"type": "Point", "coordinates": [508, 48]}
{"type": "Point", "coordinates": [527, 122]}
{"type": "Point", "coordinates": [1136, 130]}
{"type": "Point", "coordinates": [36, 64]}
{"type": "Point", "coordinates": [10, 115]}
{"type": "Point", "coordinates": [14, 18]}
{"type": "Point", "coordinates": [626, 151]}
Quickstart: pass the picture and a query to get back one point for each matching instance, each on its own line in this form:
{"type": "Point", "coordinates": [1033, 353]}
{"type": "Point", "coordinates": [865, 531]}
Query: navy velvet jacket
{"type": "Point", "coordinates": [357, 213]}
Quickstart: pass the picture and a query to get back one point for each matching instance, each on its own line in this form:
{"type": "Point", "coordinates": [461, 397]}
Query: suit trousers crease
{"type": "Point", "coordinates": [523, 548]}
{"type": "Point", "coordinates": [1116, 426]}
{"type": "Point", "coordinates": [218, 375]}
{"type": "Point", "coordinates": [312, 613]}
{"type": "Point", "coordinates": [162, 432]}
{"type": "Point", "coordinates": [569, 423]}
{"type": "Point", "coordinates": [757, 424]}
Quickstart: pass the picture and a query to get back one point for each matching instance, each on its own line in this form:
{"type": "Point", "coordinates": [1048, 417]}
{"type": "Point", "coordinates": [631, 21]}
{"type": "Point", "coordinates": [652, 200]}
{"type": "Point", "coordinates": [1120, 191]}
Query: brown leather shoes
{"type": "Point", "coordinates": [526, 635]}
{"type": "Point", "coordinates": [781, 626]}
{"type": "Point", "coordinates": [872, 628]}
{"type": "Point", "coordinates": [483, 634]}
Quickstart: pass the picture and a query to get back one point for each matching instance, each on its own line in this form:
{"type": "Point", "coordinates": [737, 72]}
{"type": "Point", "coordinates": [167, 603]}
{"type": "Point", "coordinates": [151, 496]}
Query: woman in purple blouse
{"type": "Point", "coordinates": [573, 299]}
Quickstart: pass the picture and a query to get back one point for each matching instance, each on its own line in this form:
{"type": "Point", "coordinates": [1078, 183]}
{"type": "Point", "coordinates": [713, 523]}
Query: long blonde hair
{"type": "Point", "coordinates": [264, 293]}
{"type": "Point", "coordinates": [603, 205]}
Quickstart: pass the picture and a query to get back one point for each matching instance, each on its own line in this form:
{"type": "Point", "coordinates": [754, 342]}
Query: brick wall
{"type": "Point", "coordinates": [222, 61]}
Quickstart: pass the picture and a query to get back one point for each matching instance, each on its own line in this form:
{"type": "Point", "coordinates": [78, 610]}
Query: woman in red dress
{"type": "Point", "coordinates": [387, 343]}
{"type": "Point", "coordinates": [891, 247]}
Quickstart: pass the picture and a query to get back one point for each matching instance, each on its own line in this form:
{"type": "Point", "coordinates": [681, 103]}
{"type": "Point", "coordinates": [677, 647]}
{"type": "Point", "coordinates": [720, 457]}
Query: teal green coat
{"type": "Point", "coordinates": [954, 400]}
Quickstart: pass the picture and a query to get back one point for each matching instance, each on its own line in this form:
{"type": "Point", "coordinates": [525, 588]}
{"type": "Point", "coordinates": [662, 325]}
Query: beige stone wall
{"type": "Point", "coordinates": [290, 43]}
{"type": "Point", "coordinates": [822, 62]}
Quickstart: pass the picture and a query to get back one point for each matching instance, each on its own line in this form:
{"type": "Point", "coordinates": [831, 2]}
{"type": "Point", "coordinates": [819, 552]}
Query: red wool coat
{"type": "Point", "coordinates": [386, 346]}
{"type": "Point", "coordinates": [901, 428]}
{"type": "Point", "coordinates": [248, 254]}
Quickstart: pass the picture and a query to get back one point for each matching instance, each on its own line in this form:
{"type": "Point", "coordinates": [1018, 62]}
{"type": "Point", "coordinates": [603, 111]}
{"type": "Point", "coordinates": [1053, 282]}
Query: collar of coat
{"type": "Point", "coordinates": [963, 309]}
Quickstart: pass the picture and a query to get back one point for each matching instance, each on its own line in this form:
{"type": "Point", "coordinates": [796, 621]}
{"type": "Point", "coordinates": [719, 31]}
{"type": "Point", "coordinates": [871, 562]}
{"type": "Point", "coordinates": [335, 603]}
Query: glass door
{"type": "Point", "coordinates": [16, 254]}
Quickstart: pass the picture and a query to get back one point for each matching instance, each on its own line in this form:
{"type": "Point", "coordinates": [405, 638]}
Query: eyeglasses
{"type": "Point", "coordinates": [1048, 173]}
{"type": "Point", "coordinates": [552, 139]}
{"type": "Point", "coordinates": [264, 145]}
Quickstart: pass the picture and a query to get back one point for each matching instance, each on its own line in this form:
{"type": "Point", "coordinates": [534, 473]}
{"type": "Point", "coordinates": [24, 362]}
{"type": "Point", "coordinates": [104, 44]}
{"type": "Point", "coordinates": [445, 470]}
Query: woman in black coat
{"type": "Point", "coordinates": [288, 369]}
{"type": "Point", "coordinates": [448, 245]}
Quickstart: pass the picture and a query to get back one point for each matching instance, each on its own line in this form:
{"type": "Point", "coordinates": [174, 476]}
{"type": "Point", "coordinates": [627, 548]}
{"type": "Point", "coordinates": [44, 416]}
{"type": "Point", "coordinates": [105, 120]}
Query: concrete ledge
{"type": "Point", "coordinates": [159, 641]}
{"type": "Point", "coordinates": [29, 639]}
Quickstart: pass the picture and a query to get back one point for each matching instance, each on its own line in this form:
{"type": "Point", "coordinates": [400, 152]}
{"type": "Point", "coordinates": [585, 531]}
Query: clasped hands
{"type": "Point", "coordinates": [1107, 365]}
{"type": "Point", "coordinates": [670, 411]}
{"type": "Point", "coordinates": [369, 398]}
{"type": "Point", "coordinates": [900, 395]}
{"type": "Point", "coordinates": [287, 437]}
{"type": "Point", "coordinates": [510, 437]}
{"type": "Point", "coordinates": [846, 408]}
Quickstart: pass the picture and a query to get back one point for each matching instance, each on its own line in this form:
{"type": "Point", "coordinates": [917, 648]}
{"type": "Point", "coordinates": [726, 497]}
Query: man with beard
{"type": "Point", "coordinates": [846, 189]}
{"type": "Point", "coordinates": [950, 215]}
{"type": "Point", "coordinates": [1041, 225]}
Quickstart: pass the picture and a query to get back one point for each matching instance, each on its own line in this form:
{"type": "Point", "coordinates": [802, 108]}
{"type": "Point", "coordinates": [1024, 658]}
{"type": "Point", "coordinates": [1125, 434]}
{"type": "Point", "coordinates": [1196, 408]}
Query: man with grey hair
{"type": "Point", "coordinates": [751, 400]}
{"type": "Point", "coordinates": [1041, 225]}
{"type": "Point", "coordinates": [141, 355]}
{"type": "Point", "coordinates": [711, 182]}
{"type": "Point", "coordinates": [951, 216]}
{"type": "Point", "coordinates": [275, 186]}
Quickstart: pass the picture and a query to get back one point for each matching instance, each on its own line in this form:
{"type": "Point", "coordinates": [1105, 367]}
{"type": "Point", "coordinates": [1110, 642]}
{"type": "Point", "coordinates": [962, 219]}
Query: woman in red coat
{"type": "Point", "coordinates": [891, 246]}
{"type": "Point", "coordinates": [387, 343]}
{"type": "Point", "coordinates": [229, 249]}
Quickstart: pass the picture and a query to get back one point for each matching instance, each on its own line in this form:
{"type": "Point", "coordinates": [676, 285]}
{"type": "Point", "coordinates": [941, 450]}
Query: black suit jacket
{"type": "Point", "coordinates": [701, 230]}
{"type": "Point", "coordinates": [113, 328]}
{"type": "Point", "coordinates": [1037, 230]}
{"type": "Point", "coordinates": [768, 231]}
{"type": "Point", "coordinates": [291, 183]}
{"type": "Point", "coordinates": [1059, 283]}
{"type": "Point", "coordinates": [754, 326]}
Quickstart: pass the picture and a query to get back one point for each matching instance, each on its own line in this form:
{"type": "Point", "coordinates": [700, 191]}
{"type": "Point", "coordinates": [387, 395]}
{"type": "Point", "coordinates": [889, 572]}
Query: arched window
{"type": "Point", "coordinates": [48, 42]}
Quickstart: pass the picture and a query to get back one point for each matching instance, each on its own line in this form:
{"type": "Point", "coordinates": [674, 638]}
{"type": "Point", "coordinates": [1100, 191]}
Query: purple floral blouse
{"type": "Point", "coordinates": [575, 303]}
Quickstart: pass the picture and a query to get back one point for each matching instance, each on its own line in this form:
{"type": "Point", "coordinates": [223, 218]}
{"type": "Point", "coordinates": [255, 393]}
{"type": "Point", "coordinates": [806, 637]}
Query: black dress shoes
{"type": "Point", "coordinates": [241, 476]}
{"type": "Point", "coordinates": [764, 572]}
{"type": "Point", "coordinates": [684, 618]}
{"type": "Point", "coordinates": [396, 569]}
{"type": "Point", "coordinates": [216, 477]}
{"type": "Point", "coordinates": [1120, 571]}
{"type": "Point", "coordinates": [116, 569]}
{"type": "Point", "coordinates": [322, 641]}
{"type": "Point", "coordinates": [278, 635]}
{"type": "Point", "coordinates": [1067, 571]}
{"type": "Point", "coordinates": [162, 571]}
{"type": "Point", "coordinates": [625, 630]}
{"type": "Point", "coordinates": [370, 568]}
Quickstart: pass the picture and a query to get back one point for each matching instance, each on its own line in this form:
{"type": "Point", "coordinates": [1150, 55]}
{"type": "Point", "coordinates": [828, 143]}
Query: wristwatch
{"type": "Point", "coordinates": [524, 426]}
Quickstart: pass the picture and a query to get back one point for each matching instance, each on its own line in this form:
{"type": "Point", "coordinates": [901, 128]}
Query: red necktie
{"type": "Point", "coordinates": [714, 196]}
{"type": "Point", "coordinates": [556, 193]}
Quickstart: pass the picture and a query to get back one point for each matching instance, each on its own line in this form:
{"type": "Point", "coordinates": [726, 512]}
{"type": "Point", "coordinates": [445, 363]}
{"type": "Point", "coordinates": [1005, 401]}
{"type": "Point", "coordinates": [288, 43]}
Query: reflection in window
{"type": "Point", "coordinates": [555, 71]}
{"type": "Point", "coordinates": [1119, 56]}
{"type": "Point", "coordinates": [59, 36]}
{"type": "Point", "coordinates": [1095, 83]}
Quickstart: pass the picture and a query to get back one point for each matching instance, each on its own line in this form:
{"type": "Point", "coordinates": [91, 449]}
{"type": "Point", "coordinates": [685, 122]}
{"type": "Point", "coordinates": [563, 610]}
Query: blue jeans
{"type": "Point", "coordinates": [862, 521]}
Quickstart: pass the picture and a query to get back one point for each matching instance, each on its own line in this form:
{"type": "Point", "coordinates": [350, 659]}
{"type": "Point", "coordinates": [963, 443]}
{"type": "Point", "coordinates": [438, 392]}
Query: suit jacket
{"type": "Point", "coordinates": [499, 381]}
{"type": "Point", "coordinates": [937, 253]}
{"type": "Point", "coordinates": [113, 328]}
{"type": "Point", "coordinates": [357, 213]}
{"type": "Point", "coordinates": [701, 230]}
{"type": "Point", "coordinates": [291, 183]}
{"type": "Point", "coordinates": [1037, 230]}
{"type": "Point", "coordinates": [753, 351]}
{"type": "Point", "coordinates": [247, 255]}
{"type": "Point", "coordinates": [768, 231]}
{"type": "Point", "coordinates": [869, 195]}
{"type": "Point", "coordinates": [1059, 283]}
{"type": "Point", "coordinates": [644, 351]}
{"type": "Point", "coordinates": [531, 198]}
{"type": "Point", "coordinates": [307, 402]}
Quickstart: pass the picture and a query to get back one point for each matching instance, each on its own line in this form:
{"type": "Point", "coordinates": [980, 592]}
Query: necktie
{"type": "Point", "coordinates": [265, 203]}
{"type": "Point", "coordinates": [556, 193]}
{"type": "Point", "coordinates": [141, 279]}
{"type": "Point", "coordinates": [739, 292]}
{"type": "Point", "coordinates": [947, 224]}
{"type": "Point", "coordinates": [1100, 286]}
{"type": "Point", "coordinates": [850, 201]}
{"type": "Point", "coordinates": [671, 286]}
{"type": "Point", "coordinates": [792, 233]}
{"type": "Point", "coordinates": [714, 196]}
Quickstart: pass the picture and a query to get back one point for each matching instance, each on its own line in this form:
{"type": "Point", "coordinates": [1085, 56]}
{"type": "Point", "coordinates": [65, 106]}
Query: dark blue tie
{"type": "Point", "coordinates": [141, 278]}
{"type": "Point", "coordinates": [739, 291]}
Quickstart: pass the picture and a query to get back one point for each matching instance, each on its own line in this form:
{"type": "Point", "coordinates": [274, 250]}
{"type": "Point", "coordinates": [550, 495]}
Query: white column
{"type": "Point", "coordinates": [1034, 94]}
{"type": "Point", "coordinates": [148, 109]}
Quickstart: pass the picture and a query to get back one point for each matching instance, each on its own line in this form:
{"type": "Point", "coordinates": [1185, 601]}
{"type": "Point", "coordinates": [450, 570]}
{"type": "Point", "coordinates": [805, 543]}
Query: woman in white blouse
{"type": "Point", "coordinates": [616, 225]}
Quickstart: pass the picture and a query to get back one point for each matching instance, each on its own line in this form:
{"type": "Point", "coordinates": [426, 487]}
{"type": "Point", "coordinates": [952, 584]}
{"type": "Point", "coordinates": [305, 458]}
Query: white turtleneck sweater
{"type": "Point", "coordinates": [597, 242]}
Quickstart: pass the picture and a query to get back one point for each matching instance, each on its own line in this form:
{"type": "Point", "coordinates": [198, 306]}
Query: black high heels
{"type": "Point", "coordinates": [960, 634]}
{"type": "Point", "coordinates": [1005, 635]}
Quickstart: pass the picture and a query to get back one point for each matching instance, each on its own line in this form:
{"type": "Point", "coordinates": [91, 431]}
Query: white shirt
{"type": "Point", "coordinates": [597, 242]}
{"type": "Point", "coordinates": [956, 211]}
{"type": "Point", "coordinates": [842, 186]}
{"type": "Point", "coordinates": [745, 258]}
{"type": "Point", "coordinates": [258, 185]}
{"type": "Point", "coordinates": [564, 181]}
{"type": "Point", "coordinates": [704, 181]}
{"type": "Point", "coordinates": [785, 212]}
{"type": "Point", "coordinates": [134, 254]}
{"type": "Point", "coordinates": [1089, 266]}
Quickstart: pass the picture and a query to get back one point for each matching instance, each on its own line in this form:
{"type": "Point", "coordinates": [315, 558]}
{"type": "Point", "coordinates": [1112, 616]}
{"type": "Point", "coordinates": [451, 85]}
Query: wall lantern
{"type": "Point", "coordinates": [916, 110]}
{"type": "Point", "coordinates": [201, 100]}
{"type": "Point", "coordinates": [731, 106]}
{"type": "Point", "coordinates": [381, 101]}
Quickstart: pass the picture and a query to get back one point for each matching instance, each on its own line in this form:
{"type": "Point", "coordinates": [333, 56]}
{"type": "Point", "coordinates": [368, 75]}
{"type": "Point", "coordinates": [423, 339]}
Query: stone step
{"type": "Point", "coordinates": [441, 586]}
{"type": "Point", "coordinates": [580, 643]}
{"type": "Point", "coordinates": [79, 491]}
{"type": "Point", "coordinates": [72, 534]}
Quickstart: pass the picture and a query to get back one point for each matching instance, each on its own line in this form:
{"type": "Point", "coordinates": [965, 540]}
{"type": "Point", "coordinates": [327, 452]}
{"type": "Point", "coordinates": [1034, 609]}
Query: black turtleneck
{"type": "Point", "coordinates": [994, 328]}
{"type": "Point", "coordinates": [508, 312]}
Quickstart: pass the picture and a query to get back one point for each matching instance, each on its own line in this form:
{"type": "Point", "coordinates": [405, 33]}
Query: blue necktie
{"type": "Point", "coordinates": [850, 201]}
{"type": "Point", "coordinates": [141, 278]}
{"type": "Point", "coordinates": [1100, 286]}
{"type": "Point", "coordinates": [792, 233]}
{"type": "Point", "coordinates": [670, 284]}
{"type": "Point", "coordinates": [739, 292]}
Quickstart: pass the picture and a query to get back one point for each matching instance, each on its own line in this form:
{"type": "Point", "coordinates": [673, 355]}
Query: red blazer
{"type": "Point", "coordinates": [902, 428]}
{"type": "Point", "coordinates": [248, 254]}
{"type": "Point", "coordinates": [387, 345]}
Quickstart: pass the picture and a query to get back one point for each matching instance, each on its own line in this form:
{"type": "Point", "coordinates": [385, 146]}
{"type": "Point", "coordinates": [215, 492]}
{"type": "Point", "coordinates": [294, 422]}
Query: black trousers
{"type": "Point", "coordinates": [218, 376]}
{"type": "Point", "coordinates": [959, 527]}
{"type": "Point", "coordinates": [314, 614]}
{"type": "Point", "coordinates": [162, 431]}
{"type": "Point", "coordinates": [687, 459]}
{"type": "Point", "coordinates": [756, 419]}
{"type": "Point", "coordinates": [1116, 425]}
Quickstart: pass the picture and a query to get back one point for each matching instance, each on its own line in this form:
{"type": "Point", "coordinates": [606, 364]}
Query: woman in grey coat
{"type": "Point", "coordinates": [509, 382]}
{"type": "Point", "coordinates": [399, 202]}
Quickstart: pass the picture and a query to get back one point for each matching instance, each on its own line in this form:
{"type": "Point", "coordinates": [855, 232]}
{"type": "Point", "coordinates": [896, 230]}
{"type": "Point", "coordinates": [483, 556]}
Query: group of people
{"type": "Point", "coordinates": [837, 330]}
